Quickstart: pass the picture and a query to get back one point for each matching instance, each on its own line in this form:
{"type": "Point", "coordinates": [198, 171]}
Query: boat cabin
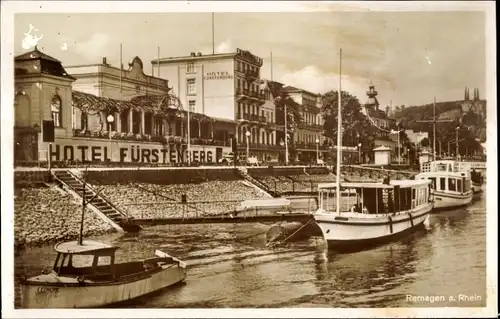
{"type": "Point", "coordinates": [445, 166]}
{"type": "Point", "coordinates": [92, 259]}
{"type": "Point", "coordinates": [447, 176]}
{"type": "Point", "coordinates": [375, 198]}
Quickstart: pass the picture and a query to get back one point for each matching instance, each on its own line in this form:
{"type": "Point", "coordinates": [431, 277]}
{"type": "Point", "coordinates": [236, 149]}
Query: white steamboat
{"type": "Point", "coordinates": [451, 182]}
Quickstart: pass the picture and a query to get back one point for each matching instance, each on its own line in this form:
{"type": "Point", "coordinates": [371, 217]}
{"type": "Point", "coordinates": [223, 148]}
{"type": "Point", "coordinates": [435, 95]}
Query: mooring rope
{"type": "Point", "coordinates": [284, 240]}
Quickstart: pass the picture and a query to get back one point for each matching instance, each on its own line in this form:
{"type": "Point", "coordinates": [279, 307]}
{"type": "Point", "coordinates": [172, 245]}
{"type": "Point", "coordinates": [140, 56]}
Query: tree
{"type": "Point", "coordinates": [356, 126]}
{"type": "Point", "coordinates": [424, 142]}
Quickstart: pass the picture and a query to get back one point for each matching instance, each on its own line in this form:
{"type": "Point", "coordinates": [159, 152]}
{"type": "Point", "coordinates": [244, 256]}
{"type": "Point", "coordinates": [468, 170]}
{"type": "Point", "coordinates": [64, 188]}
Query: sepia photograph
{"type": "Point", "coordinates": [262, 159]}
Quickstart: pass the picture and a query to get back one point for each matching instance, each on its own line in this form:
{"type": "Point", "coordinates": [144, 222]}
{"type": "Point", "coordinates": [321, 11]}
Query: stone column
{"type": "Point", "coordinates": [131, 121]}
{"type": "Point", "coordinates": [153, 121]}
{"type": "Point", "coordinates": [118, 121]}
{"type": "Point", "coordinates": [143, 123]}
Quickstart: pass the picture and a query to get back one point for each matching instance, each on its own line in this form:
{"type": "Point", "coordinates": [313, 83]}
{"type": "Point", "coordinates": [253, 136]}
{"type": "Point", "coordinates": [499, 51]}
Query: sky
{"type": "Point", "coordinates": [410, 57]}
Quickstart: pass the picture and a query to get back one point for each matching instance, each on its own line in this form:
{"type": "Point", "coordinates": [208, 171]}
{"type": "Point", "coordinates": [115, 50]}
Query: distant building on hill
{"type": "Point", "coordinates": [474, 105]}
{"type": "Point", "coordinates": [381, 120]}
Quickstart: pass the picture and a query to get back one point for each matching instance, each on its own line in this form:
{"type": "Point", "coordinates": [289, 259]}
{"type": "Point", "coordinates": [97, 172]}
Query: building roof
{"type": "Point", "coordinates": [377, 113]}
{"type": "Point", "coordinates": [194, 56]}
{"type": "Point", "coordinates": [42, 64]}
{"type": "Point", "coordinates": [291, 89]}
{"type": "Point", "coordinates": [381, 148]}
{"type": "Point", "coordinates": [88, 246]}
{"type": "Point", "coordinates": [35, 55]}
{"type": "Point", "coordinates": [197, 56]}
{"type": "Point", "coordinates": [275, 87]}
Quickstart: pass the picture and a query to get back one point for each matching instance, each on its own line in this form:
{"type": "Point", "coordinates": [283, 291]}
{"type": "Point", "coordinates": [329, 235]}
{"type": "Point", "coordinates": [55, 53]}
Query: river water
{"type": "Point", "coordinates": [428, 268]}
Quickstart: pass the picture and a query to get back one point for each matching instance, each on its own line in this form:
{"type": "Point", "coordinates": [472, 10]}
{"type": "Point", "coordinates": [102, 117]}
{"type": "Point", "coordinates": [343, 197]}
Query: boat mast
{"type": "Point", "coordinates": [434, 121]}
{"type": "Point", "coordinates": [339, 133]}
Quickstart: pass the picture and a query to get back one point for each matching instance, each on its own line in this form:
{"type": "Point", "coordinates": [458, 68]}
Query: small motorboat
{"type": "Point", "coordinates": [85, 275]}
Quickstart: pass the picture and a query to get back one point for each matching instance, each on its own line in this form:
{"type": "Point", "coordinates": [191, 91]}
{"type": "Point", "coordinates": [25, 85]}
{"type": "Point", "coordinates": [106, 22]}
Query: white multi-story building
{"type": "Point", "coordinates": [227, 87]}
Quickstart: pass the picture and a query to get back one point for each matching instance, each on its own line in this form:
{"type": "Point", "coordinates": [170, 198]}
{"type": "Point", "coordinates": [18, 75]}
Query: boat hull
{"type": "Point", "coordinates": [477, 188]}
{"type": "Point", "coordinates": [43, 296]}
{"type": "Point", "coordinates": [349, 231]}
{"type": "Point", "coordinates": [444, 200]}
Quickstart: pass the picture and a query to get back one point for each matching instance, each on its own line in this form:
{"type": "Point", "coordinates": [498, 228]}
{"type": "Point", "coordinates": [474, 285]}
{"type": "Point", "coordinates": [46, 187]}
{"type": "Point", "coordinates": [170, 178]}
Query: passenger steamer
{"type": "Point", "coordinates": [352, 215]}
{"type": "Point", "coordinates": [371, 213]}
{"type": "Point", "coordinates": [451, 182]}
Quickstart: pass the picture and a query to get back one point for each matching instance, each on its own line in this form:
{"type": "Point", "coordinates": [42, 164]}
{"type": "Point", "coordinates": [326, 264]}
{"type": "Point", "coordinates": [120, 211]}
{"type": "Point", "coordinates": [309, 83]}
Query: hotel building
{"type": "Point", "coordinates": [308, 140]}
{"type": "Point", "coordinates": [104, 113]}
{"type": "Point", "coordinates": [227, 87]}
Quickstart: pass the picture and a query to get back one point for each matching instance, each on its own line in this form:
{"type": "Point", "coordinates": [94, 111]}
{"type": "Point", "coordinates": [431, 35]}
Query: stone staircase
{"type": "Point", "coordinates": [242, 171]}
{"type": "Point", "coordinates": [103, 205]}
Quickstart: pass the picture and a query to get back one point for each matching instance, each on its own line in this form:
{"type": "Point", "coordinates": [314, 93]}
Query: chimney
{"type": "Point", "coordinates": [193, 54]}
{"type": "Point", "coordinates": [199, 53]}
{"type": "Point", "coordinates": [104, 61]}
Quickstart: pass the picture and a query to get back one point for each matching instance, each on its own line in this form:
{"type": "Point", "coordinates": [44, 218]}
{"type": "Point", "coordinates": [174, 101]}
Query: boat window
{"type": "Point", "coordinates": [459, 185]}
{"type": "Point", "coordinates": [433, 180]}
{"type": "Point", "coordinates": [442, 183]}
{"type": "Point", "coordinates": [452, 184]}
{"type": "Point", "coordinates": [441, 168]}
{"type": "Point", "coordinates": [104, 260]}
{"type": "Point", "coordinates": [466, 184]}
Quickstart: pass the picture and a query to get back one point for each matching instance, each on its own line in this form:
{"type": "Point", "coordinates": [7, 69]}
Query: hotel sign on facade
{"type": "Point", "coordinates": [218, 76]}
{"type": "Point", "coordinates": [79, 149]}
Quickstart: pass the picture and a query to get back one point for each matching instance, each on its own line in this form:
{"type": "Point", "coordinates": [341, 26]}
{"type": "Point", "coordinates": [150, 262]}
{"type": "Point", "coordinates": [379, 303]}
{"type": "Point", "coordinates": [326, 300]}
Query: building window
{"type": "Point", "coordinates": [55, 107]}
{"type": "Point", "coordinates": [158, 126]}
{"type": "Point", "coordinates": [84, 121]}
{"type": "Point", "coordinates": [124, 121]}
{"type": "Point", "coordinates": [192, 106]}
{"type": "Point", "coordinates": [191, 87]}
{"type": "Point", "coordinates": [190, 68]}
{"type": "Point", "coordinates": [136, 122]}
{"type": "Point", "coordinates": [148, 123]}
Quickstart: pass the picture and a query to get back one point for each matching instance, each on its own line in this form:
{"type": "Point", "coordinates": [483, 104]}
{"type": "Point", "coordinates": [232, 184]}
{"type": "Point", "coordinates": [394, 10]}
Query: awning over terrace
{"type": "Point", "coordinates": [166, 105]}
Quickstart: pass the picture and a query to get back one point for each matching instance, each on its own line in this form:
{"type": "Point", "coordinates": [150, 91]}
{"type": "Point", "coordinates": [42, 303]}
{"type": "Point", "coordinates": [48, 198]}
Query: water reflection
{"type": "Point", "coordinates": [354, 279]}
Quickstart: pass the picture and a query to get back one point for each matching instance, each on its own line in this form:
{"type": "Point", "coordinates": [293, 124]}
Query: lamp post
{"type": "Point", "coordinates": [110, 120]}
{"type": "Point", "coordinates": [286, 138]}
{"type": "Point", "coordinates": [359, 153]}
{"type": "Point", "coordinates": [317, 150]}
{"type": "Point", "coordinates": [247, 134]}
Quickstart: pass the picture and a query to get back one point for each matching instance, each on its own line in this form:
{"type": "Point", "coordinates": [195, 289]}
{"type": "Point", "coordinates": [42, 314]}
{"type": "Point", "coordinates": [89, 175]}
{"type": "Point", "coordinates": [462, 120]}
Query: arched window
{"type": "Point", "coordinates": [55, 108]}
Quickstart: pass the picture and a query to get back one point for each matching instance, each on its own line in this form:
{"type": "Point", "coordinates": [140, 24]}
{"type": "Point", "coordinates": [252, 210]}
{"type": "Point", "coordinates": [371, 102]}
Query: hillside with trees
{"type": "Point", "coordinates": [471, 127]}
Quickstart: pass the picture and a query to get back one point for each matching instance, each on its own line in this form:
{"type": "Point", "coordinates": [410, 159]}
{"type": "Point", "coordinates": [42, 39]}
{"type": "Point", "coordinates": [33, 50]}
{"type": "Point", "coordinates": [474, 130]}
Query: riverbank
{"type": "Point", "coordinates": [44, 214]}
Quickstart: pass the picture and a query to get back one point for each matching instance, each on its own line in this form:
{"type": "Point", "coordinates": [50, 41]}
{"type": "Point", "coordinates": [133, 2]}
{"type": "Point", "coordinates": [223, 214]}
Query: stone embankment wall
{"type": "Point", "coordinates": [44, 212]}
